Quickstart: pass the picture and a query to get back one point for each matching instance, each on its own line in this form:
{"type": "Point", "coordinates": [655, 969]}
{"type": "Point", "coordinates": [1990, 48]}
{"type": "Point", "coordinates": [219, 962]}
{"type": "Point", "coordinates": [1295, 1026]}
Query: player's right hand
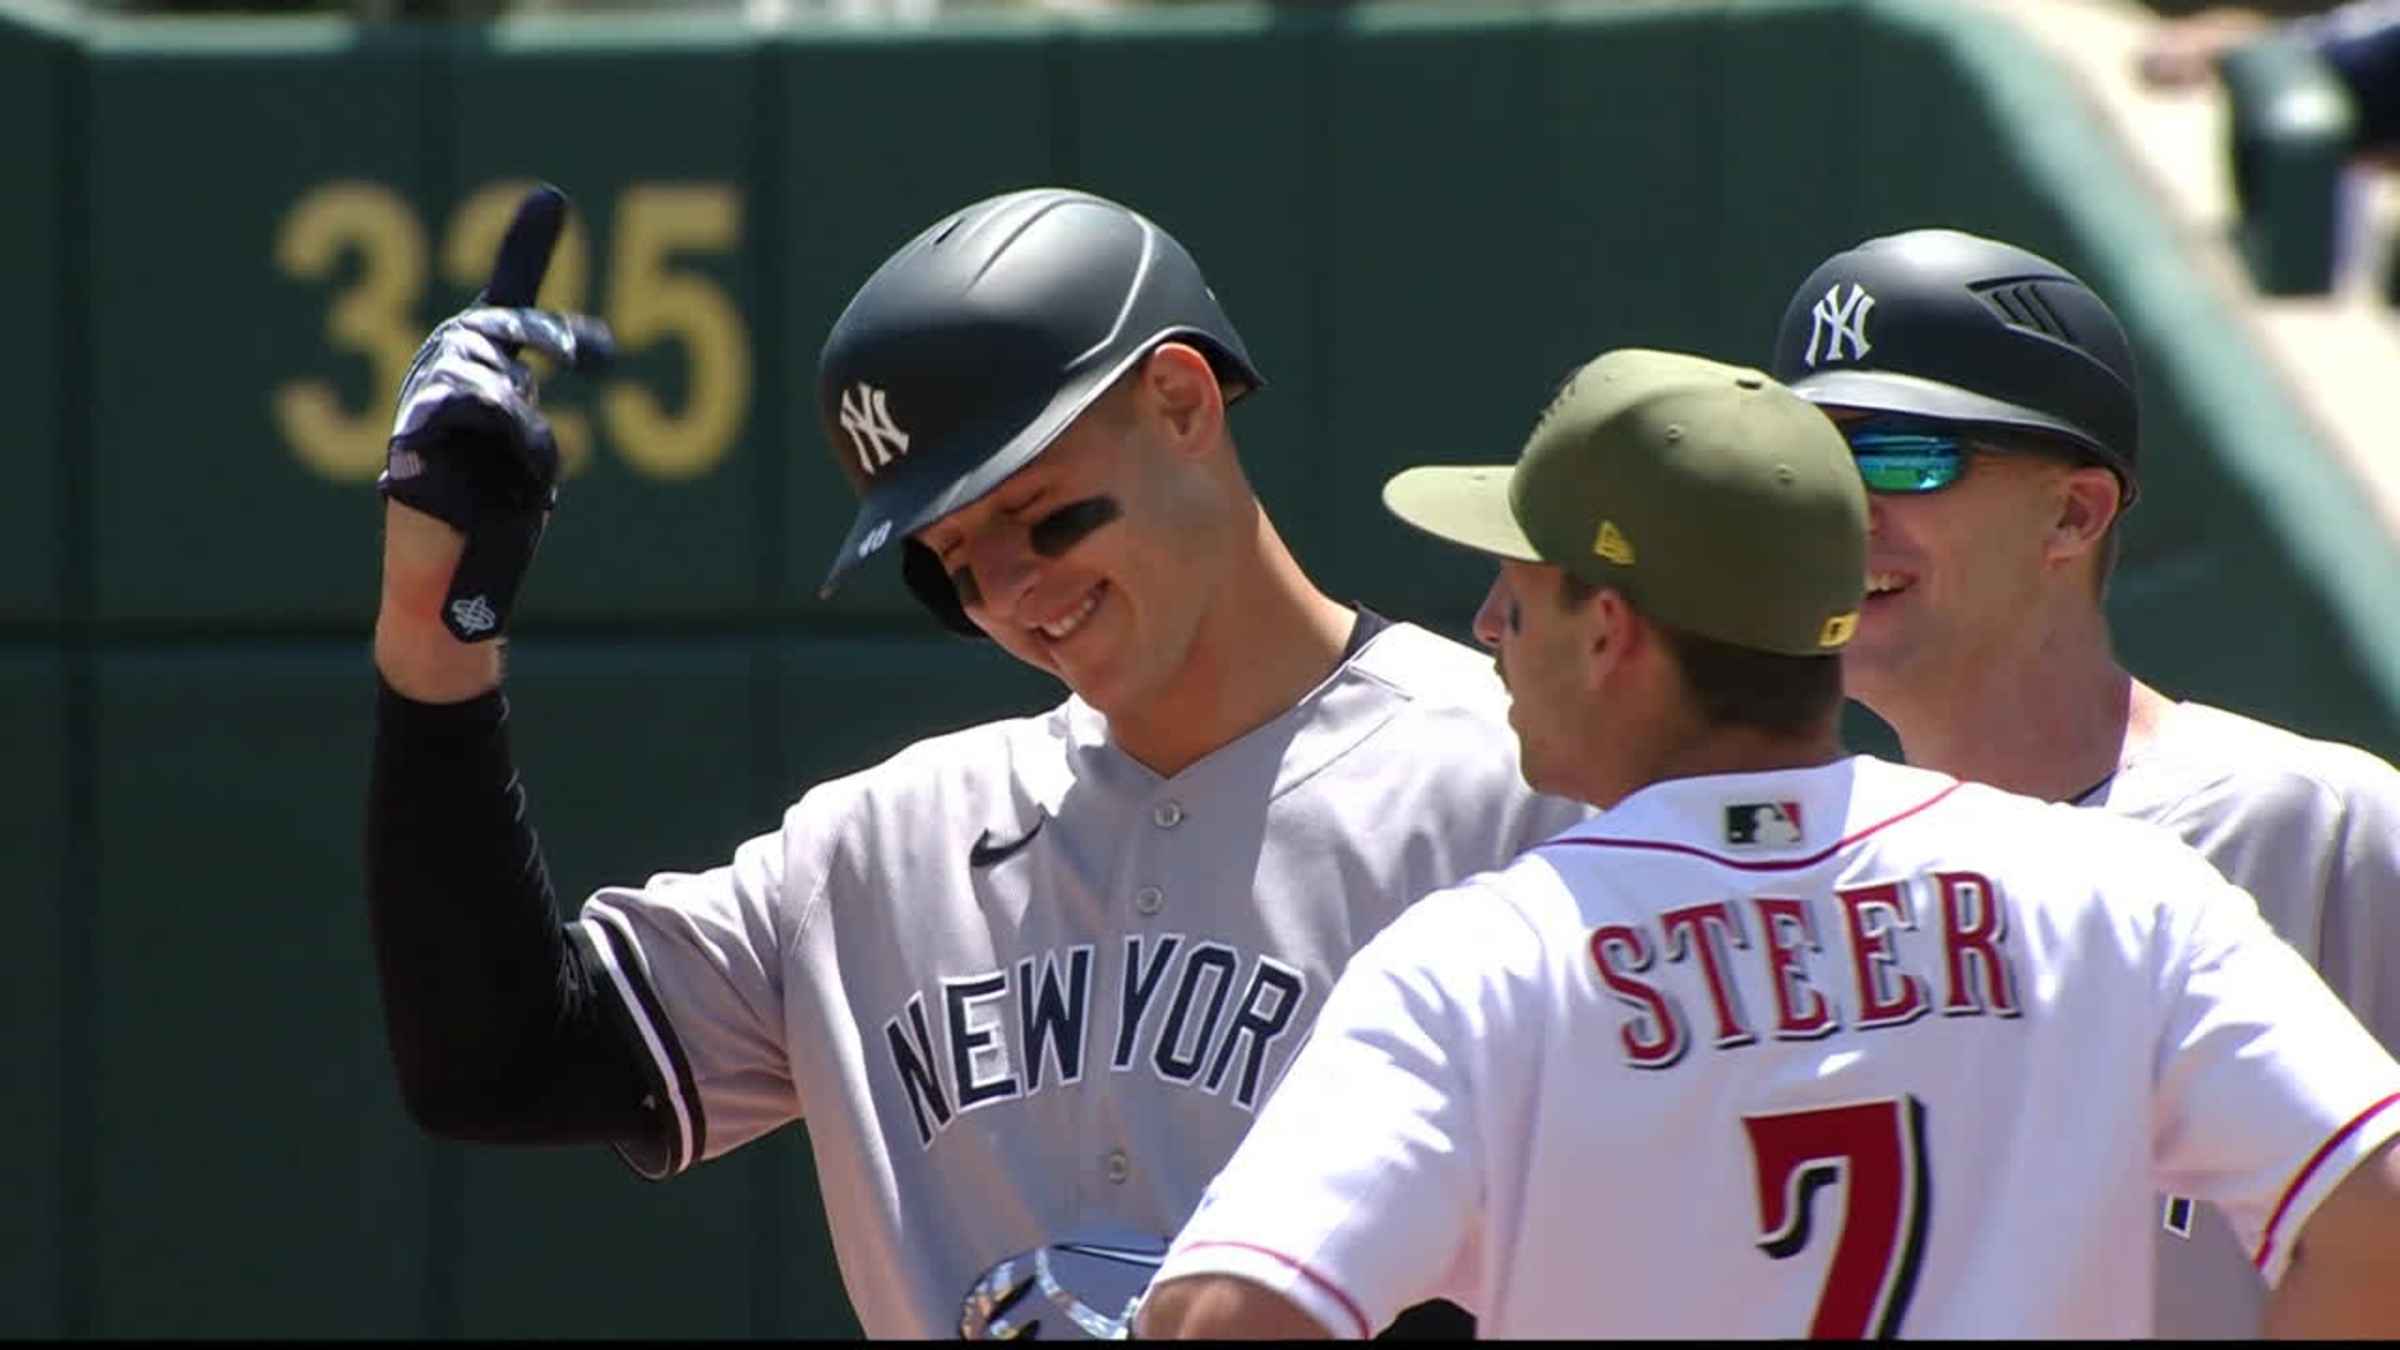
{"type": "Point", "coordinates": [469, 444]}
{"type": "Point", "coordinates": [1087, 1288]}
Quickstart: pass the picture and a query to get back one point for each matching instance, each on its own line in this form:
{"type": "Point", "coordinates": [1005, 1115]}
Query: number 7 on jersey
{"type": "Point", "coordinates": [1877, 1150]}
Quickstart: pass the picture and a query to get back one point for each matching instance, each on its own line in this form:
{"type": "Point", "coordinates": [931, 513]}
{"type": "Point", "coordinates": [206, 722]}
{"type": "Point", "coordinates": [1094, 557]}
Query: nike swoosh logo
{"type": "Point", "coordinates": [985, 853]}
{"type": "Point", "coordinates": [1127, 1255]}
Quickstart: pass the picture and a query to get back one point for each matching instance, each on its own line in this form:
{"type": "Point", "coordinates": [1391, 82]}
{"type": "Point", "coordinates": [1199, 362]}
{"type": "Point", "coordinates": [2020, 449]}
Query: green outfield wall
{"type": "Point", "coordinates": [222, 240]}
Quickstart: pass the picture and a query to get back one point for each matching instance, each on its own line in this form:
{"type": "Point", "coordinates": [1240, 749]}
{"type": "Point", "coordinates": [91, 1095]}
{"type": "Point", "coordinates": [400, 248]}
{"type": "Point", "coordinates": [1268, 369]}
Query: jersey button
{"type": "Point", "coordinates": [1168, 815]}
{"type": "Point", "coordinates": [1150, 900]}
{"type": "Point", "coordinates": [1116, 1166]}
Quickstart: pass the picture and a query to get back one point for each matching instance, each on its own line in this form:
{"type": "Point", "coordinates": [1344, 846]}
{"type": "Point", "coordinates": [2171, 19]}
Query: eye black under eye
{"type": "Point", "coordinates": [1066, 527]}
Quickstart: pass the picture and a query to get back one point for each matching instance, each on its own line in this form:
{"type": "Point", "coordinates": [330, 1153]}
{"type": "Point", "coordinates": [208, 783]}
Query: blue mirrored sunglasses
{"type": "Point", "coordinates": [1907, 455]}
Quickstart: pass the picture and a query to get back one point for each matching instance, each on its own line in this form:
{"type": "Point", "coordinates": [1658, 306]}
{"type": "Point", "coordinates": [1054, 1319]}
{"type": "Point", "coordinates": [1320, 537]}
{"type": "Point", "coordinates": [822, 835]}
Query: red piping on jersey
{"type": "Point", "coordinates": [1789, 865]}
{"type": "Point", "coordinates": [1365, 1332]}
{"type": "Point", "coordinates": [2266, 1245]}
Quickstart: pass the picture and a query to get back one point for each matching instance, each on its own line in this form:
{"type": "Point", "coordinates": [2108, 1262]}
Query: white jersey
{"type": "Point", "coordinates": [1024, 989]}
{"type": "Point", "coordinates": [1845, 1051]}
{"type": "Point", "coordinates": [2312, 829]}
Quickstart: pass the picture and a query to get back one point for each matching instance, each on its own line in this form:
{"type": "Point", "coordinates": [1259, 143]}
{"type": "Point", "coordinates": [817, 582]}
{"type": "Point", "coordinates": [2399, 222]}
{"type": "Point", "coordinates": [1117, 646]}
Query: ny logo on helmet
{"type": "Point", "coordinates": [873, 434]}
{"type": "Point", "coordinates": [1836, 320]}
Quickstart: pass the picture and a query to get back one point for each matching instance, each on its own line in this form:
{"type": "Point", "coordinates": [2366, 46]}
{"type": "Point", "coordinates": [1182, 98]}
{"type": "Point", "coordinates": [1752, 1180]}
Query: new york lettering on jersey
{"type": "Point", "coordinates": [1025, 989]}
{"type": "Point", "coordinates": [984, 1055]}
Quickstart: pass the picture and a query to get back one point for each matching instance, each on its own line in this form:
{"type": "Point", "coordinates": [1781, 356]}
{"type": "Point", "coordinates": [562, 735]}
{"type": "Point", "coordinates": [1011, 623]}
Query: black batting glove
{"type": "Point", "coordinates": [469, 444]}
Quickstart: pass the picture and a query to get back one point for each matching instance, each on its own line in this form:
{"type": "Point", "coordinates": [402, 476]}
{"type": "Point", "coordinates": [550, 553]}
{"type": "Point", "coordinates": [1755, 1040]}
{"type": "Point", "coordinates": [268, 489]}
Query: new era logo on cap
{"type": "Point", "coordinates": [1613, 545]}
{"type": "Point", "coordinates": [1762, 824]}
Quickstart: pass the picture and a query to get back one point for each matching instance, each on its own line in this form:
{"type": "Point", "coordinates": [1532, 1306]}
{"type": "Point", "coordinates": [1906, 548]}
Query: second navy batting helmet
{"type": "Point", "coordinates": [1946, 324]}
{"type": "Point", "coordinates": [975, 345]}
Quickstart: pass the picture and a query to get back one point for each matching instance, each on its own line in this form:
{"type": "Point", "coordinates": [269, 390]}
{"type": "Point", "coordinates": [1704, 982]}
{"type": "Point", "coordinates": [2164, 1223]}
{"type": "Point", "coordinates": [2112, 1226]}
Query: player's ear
{"type": "Point", "coordinates": [1608, 633]}
{"type": "Point", "coordinates": [1179, 387]}
{"type": "Point", "coordinates": [2087, 502]}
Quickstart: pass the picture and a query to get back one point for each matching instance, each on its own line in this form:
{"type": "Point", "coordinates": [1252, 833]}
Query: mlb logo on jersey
{"type": "Point", "coordinates": [1762, 823]}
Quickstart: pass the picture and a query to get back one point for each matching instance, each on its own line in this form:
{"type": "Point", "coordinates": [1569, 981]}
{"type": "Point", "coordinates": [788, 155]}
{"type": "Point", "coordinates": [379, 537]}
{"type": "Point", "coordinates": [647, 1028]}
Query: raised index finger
{"type": "Point", "coordinates": [525, 249]}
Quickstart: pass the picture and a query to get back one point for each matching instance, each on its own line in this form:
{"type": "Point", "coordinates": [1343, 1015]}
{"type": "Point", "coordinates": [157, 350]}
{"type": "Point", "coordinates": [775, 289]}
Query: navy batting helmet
{"type": "Point", "coordinates": [1946, 324]}
{"type": "Point", "coordinates": [975, 345]}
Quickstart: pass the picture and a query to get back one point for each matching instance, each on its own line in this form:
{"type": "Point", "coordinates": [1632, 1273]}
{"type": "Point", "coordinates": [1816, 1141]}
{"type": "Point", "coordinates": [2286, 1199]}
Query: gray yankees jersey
{"type": "Point", "coordinates": [1024, 988]}
{"type": "Point", "coordinates": [2312, 830]}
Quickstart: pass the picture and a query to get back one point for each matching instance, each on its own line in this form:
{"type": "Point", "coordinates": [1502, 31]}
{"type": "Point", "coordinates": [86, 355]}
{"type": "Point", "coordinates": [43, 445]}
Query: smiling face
{"type": "Point", "coordinates": [1095, 561]}
{"type": "Point", "coordinates": [1956, 576]}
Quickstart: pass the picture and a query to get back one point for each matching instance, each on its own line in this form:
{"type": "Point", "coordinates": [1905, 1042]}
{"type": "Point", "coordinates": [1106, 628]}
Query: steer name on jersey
{"type": "Point", "coordinates": [1879, 955]}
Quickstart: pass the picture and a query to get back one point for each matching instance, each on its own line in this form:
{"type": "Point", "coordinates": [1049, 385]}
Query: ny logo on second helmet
{"type": "Point", "coordinates": [1837, 320]}
{"type": "Point", "coordinates": [877, 438]}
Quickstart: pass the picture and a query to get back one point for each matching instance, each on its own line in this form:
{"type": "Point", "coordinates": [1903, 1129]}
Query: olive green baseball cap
{"type": "Point", "coordinates": [1716, 499]}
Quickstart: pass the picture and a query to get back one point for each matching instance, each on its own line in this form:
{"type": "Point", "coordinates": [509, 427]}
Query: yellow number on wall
{"type": "Point", "coordinates": [467, 253]}
{"type": "Point", "coordinates": [374, 318]}
{"type": "Point", "coordinates": [649, 302]}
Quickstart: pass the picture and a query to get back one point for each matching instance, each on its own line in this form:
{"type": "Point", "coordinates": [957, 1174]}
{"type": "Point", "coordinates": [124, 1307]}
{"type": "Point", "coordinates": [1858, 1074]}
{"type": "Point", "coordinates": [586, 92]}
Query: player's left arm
{"type": "Point", "coordinates": [2344, 1279]}
{"type": "Point", "coordinates": [2269, 1091]}
{"type": "Point", "coordinates": [1361, 1189]}
{"type": "Point", "coordinates": [1225, 1308]}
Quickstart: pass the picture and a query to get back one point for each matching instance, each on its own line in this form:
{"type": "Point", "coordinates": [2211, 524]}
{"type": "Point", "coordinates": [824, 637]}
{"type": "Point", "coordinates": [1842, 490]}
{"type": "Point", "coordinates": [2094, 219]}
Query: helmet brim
{"type": "Point", "coordinates": [1887, 391]}
{"type": "Point", "coordinates": [1883, 391]}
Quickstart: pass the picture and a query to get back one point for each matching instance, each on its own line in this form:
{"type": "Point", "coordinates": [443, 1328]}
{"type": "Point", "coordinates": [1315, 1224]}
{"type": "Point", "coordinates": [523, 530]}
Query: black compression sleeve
{"type": "Point", "coordinates": [499, 1027]}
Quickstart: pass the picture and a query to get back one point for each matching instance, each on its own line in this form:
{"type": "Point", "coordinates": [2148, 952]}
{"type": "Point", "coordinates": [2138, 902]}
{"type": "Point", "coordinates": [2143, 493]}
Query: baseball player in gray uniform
{"type": "Point", "coordinates": [1990, 399]}
{"type": "Point", "coordinates": [1784, 1040]}
{"type": "Point", "coordinates": [1027, 982]}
